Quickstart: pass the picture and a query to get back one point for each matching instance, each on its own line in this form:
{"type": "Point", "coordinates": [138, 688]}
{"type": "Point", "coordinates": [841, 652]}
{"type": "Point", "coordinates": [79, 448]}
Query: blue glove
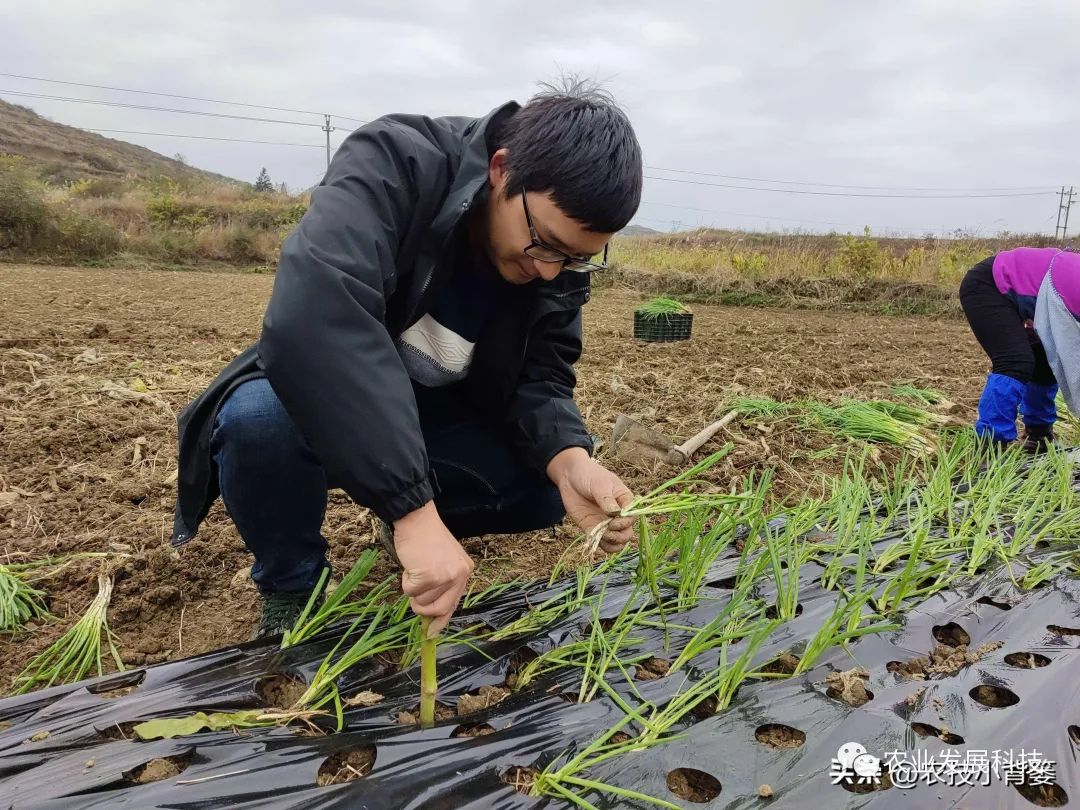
{"type": "Point", "coordinates": [997, 408]}
{"type": "Point", "coordinates": [1037, 405]}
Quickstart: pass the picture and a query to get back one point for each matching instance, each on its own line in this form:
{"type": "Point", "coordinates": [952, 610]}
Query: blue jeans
{"type": "Point", "coordinates": [274, 488]}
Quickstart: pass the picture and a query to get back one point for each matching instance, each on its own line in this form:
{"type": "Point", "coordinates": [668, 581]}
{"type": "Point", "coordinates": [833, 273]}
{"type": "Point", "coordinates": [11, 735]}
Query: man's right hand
{"type": "Point", "coordinates": [436, 567]}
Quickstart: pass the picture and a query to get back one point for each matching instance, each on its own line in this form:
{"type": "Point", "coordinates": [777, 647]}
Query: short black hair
{"type": "Point", "coordinates": [573, 140]}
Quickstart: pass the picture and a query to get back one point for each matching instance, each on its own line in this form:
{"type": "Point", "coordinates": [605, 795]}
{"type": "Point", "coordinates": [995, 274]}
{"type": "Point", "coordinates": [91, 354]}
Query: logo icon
{"type": "Point", "coordinates": [853, 765]}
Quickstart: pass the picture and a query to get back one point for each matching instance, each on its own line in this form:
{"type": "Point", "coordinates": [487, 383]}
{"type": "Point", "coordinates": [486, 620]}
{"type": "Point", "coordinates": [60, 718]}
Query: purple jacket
{"type": "Point", "coordinates": [1019, 274]}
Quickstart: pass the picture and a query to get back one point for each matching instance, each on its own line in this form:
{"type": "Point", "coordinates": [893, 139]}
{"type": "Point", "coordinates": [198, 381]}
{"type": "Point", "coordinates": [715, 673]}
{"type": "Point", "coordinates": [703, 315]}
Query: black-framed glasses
{"type": "Point", "coordinates": [539, 250]}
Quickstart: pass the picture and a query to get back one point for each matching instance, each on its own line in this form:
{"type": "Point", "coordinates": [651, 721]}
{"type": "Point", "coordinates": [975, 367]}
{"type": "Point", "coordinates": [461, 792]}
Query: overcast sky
{"type": "Point", "coordinates": [928, 94]}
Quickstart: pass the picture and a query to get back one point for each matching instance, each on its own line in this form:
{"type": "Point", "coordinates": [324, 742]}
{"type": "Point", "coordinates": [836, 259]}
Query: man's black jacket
{"type": "Point", "coordinates": [363, 265]}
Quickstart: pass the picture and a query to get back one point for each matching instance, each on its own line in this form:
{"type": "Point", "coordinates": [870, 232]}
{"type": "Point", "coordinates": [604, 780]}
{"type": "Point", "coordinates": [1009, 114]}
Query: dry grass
{"type": "Point", "coordinates": [902, 276]}
{"type": "Point", "coordinates": [160, 221]}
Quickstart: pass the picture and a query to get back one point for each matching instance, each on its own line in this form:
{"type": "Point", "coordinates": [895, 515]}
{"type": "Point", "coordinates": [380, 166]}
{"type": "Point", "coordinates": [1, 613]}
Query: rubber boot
{"type": "Point", "coordinates": [1039, 411]}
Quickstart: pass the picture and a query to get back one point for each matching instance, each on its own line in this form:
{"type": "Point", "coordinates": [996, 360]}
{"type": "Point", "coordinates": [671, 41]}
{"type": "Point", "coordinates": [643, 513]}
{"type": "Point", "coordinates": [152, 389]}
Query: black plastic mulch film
{"type": "Point", "coordinates": [82, 760]}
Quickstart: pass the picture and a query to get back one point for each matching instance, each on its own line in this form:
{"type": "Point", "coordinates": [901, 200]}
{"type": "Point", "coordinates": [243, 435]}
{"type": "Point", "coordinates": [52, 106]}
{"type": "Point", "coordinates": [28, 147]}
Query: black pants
{"type": "Point", "coordinates": [1011, 346]}
{"type": "Point", "coordinates": [275, 490]}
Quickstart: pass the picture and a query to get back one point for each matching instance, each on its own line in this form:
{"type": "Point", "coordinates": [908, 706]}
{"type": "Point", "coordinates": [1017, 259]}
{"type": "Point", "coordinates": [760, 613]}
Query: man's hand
{"type": "Point", "coordinates": [592, 494]}
{"type": "Point", "coordinates": [436, 567]}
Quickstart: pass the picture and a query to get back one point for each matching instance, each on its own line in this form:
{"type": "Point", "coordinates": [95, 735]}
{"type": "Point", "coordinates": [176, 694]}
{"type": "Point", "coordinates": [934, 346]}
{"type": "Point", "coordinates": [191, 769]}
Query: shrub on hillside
{"type": "Point", "coordinates": [81, 236]}
{"type": "Point", "coordinates": [24, 214]}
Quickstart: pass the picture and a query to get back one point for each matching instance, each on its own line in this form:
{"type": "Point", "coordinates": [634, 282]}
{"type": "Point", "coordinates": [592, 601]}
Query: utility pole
{"type": "Point", "coordinates": [328, 129]}
{"type": "Point", "coordinates": [1064, 204]}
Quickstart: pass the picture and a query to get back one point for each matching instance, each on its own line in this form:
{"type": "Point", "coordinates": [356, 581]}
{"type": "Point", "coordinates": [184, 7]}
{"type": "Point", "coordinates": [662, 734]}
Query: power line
{"type": "Point", "coordinates": [849, 194]}
{"type": "Point", "coordinates": [207, 138]}
{"type": "Point", "coordinates": [363, 121]}
{"type": "Point", "coordinates": [842, 185]}
{"type": "Point", "coordinates": [776, 218]}
{"type": "Point", "coordinates": [751, 216]}
{"type": "Point", "coordinates": [175, 95]}
{"type": "Point", "coordinates": [162, 109]}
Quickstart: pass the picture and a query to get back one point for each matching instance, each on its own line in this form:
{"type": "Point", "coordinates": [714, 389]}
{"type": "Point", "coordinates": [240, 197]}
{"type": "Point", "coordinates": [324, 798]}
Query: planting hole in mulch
{"type": "Point", "coordinates": [127, 683]}
{"type": "Point", "coordinates": [943, 734]}
{"type": "Point", "coordinates": [784, 664]}
{"type": "Point", "coordinates": [279, 691]}
{"type": "Point", "coordinates": [986, 600]}
{"type": "Point", "coordinates": [1052, 795]}
{"type": "Point", "coordinates": [520, 657]}
{"type": "Point", "coordinates": [1074, 735]}
{"type": "Point", "coordinates": [1063, 631]}
{"type": "Point", "coordinates": [915, 668]}
{"type": "Point", "coordinates": [854, 785]}
{"type": "Point", "coordinates": [119, 731]}
{"type": "Point", "coordinates": [618, 738]}
{"type": "Point", "coordinates": [652, 669]}
{"type": "Point", "coordinates": [951, 634]}
{"type": "Point", "coordinates": [693, 785]}
{"type": "Point", "coordinates": [849, 686]}
{"type": "Point", "coordinates": [773, 612]}
{"type": "Point", "coordinates": [704, 708]}
{"type": "Point", "coordinates": [412, 716]}
{"type": "Point", "coordinates": [777, 735]}
{"type": "Point", "coordinates": [1027, 660]}
{"type": "Point", "coordinates": [472, 730]}
{"type": "Point", "coordinates": [726, 583]}
{"type": "Point", "coordinates": [157, 769]}
{"type": "Point", "coordinates": [996, 697]}
{"type": "Point", "coordinates": [520, 777]}
{"type": "Point", "coordinates": [345, 766]}
{"type": "Point", "coordinates": [484, 698]}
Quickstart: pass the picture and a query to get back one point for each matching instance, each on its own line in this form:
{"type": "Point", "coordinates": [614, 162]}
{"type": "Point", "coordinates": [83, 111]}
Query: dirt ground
{"type": "Point", "coordinates": [95, 365]}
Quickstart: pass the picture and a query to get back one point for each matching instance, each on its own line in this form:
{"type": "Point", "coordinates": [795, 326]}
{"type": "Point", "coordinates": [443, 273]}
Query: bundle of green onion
{"type": "Point", "coordinates": [865, 420]}
{"type": "Point", "coordinates": [20, 602]}
{"type": "Point", "coordinates": [72, 656]}
{"type": "Point", "coordinates": [661, 307]}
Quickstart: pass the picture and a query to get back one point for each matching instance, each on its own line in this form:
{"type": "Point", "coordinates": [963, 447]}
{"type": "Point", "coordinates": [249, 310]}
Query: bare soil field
{"type": "Point", "coordinates": [95, 365]}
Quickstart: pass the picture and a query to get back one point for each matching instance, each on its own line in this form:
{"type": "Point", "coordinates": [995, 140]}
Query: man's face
{"type": "Point", "coordinates": [508, 233]}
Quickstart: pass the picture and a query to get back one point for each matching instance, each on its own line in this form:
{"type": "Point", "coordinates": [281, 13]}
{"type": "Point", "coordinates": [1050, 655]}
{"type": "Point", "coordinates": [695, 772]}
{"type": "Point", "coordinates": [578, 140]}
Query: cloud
{"type": "Point", "coordinates": [926, 94]}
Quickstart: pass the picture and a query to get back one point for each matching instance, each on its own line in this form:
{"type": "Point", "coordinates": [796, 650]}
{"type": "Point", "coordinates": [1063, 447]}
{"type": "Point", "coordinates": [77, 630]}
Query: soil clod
{"type": "Point", "coordinates": [855, 785]}
{"type": "Point", "coordinates": [1027, 660]}
{"type": "Point", "coordinates": [849, 686]}
{"type": "Point", "coordinates": [280, 691]}
{"type": "Point", "coordinates": [693, 785]}
{"type": "Point", "coordinates": [484, 698]}
{"type": "Point", "coordinates": [345, 766]}
{"type": "Point", "coordinates": [951, 635]}
{"type": "Point", "coordinates": [652, 669]}
{"type": "Point", "coordinates": [943, 734]}
{"type": "Point", "coordinates": [473, 730]}
{"type": "Point", "coordinates": [784, 664]}
{"type": "Point", "coordinates": [520, 777]}
{"type": "Point", "coordinates": [995, 697]}
{"type": "Point", "coordinates": [411, 717]}
{"type": "Point", "coordinates": [777, 735]}
{"type": "Point", "coordinates": [157, 769]}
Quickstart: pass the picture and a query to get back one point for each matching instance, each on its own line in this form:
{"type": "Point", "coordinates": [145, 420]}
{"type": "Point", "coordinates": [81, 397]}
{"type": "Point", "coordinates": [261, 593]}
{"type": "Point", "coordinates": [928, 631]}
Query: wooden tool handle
{"type": "Point", "coordinates": [691, 445]}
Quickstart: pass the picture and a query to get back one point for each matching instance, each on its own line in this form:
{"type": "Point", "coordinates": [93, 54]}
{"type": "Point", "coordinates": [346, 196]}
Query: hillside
{"type": "Point", "coordinates": [637, 230]}
{"type": "Point", "coordinates": [60, 153]}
